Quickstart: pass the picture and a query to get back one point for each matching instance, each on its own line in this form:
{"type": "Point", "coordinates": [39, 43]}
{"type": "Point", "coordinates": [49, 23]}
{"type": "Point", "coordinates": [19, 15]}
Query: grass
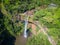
{"type": "Point", "coordinates": [51, 21]}
{"type": "Point", "coordinates": [40, 39]}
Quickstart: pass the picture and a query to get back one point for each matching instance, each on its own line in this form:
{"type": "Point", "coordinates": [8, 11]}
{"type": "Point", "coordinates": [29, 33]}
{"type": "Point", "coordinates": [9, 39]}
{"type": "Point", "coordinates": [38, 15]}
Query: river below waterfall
{"type": "Point", "coordinates": [21, 40]}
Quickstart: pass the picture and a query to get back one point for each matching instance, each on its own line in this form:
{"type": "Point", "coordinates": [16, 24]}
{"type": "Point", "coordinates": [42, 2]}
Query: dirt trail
{"type": "Point", "coordinates": [45, 32]}
{"type": "Point", "coordinates": [33, 29]}
{"type": "Point", "coordinates": [42, 29]}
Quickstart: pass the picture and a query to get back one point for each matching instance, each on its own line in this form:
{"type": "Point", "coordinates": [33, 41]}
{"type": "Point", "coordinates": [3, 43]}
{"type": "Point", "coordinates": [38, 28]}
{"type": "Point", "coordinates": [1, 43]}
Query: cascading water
{"type": "Point", "coordinates": [26, 23]}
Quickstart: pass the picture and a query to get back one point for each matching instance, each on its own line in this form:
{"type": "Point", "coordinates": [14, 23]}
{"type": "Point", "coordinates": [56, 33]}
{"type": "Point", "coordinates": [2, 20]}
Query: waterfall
{"type": "Point", "coordinates": [25, 29]}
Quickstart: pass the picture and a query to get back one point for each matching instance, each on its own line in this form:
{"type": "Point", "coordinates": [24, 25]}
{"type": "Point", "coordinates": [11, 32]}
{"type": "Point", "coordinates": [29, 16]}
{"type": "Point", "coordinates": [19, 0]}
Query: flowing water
{"type": "Point", "coordinates": [25, 29]}
{"type": "Point", "coordinates": [22, 39]}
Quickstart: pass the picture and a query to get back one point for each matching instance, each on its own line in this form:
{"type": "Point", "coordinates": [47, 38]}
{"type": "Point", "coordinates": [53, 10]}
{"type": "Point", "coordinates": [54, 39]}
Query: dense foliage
{"type": "Point", "coordinates": [24, 5]}
{"type": "Point", "coordinates": [50, 17]}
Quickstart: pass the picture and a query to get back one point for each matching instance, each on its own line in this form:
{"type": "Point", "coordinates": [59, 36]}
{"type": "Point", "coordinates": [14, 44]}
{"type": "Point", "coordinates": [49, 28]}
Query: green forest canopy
{"type": "Point", "coordinates": [8, 8]}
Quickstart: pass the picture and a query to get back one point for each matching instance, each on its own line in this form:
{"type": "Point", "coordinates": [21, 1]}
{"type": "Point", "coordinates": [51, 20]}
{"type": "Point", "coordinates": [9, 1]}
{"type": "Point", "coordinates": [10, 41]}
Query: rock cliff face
{"type": "Point", "coordinates": [31, 12]}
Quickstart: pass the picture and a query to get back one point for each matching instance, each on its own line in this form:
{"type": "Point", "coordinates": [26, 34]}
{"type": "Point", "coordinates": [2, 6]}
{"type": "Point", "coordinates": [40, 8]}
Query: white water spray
{"type": "Point", "coordinates": [26, 23]}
